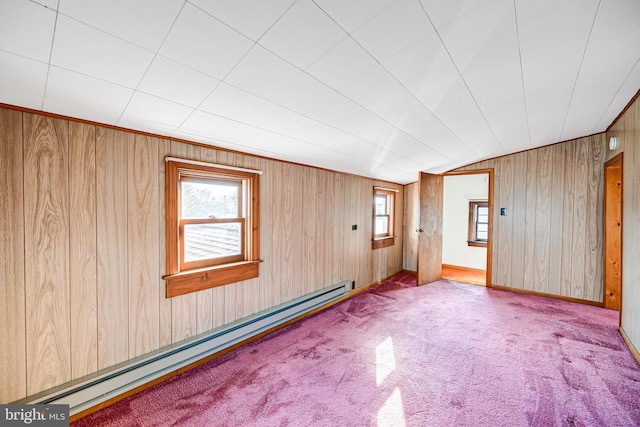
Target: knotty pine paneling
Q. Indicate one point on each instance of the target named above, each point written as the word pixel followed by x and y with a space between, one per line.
pixel 627 130
pixel 46 269
pixel 551 239
pixel 13 369
pixel 96 201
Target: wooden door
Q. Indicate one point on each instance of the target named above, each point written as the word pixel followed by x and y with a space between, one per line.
pixel 613 233
pixel 430 194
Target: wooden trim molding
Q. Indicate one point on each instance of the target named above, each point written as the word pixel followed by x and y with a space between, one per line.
pixel 206 278
pixel 383 242
pixel 545 295
pixel 632 348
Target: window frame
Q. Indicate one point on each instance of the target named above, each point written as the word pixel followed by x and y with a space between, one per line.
pixel 472 237
pixel 383 240
pixel 182 278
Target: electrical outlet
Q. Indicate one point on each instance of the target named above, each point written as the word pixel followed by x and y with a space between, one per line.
pixel 503 211
pixel 354 227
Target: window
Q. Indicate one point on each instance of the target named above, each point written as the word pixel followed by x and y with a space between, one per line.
pixel 383 217
pixel 478 223
pixel 212 225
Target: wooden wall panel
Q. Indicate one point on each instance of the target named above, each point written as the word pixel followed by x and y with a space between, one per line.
pixel 518 218
pixel 543 220
pixel 113 286
pixel 94 222
pixel 553 228
pixel 13 369
pixel 82 247
pixel 594 263
pixel 556 217
pixel 142 244
pixel 503 246
pixel 46 211
pixel 529 222
pixel 111 243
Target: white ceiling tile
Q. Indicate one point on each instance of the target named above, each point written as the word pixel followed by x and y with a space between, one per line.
pixel 204 43
pixel 303 34
pixel 73 94
pixel 412 65
pixel 445 12
pixel 250 17
pixel 611 53
pixel 202 126
pixel 354 13
pixel 280 120
pixel 313 99
pixel 22 81
pixel 231 102
pixel 394 29
pixel 84 49
pixel 26 29
pixel 622 98
pixel 476 37
pixel 175 82
pixel 141 22
pixel 342 64
pixel 153 114
pixel 51 4
pixel 262 73
pixel 552 47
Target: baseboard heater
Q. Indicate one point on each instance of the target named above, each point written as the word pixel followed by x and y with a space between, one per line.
pixel 84 394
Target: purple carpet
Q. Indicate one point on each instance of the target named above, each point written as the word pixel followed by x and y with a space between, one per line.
pixel 442 354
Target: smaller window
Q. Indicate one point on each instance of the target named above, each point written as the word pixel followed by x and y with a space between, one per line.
pixel 478 223
pixel 383 217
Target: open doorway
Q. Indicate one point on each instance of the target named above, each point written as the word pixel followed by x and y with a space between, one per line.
pixel 466 227
pixel 612 298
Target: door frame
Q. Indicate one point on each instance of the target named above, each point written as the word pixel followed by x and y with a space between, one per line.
pixel 489 171
pixel 617 162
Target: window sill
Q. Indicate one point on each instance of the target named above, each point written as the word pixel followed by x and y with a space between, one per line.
pixel 383 242
pixel 477 244
pixel 210 277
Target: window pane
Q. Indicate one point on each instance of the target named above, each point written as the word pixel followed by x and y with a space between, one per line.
pixel 483 210
pixel 483 218
pixel 482 235
pixel 208 241
pixel 483 228
pixel 381 205
pixel 382 225
pixel 210 200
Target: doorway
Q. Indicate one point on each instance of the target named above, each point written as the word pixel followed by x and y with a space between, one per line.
pixel 612 298
pixel 465 234
pixel 430 225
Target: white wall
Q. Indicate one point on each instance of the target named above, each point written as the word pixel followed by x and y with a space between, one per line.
pixel 458 191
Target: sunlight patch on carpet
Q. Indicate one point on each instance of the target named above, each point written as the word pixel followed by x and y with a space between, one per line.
pixel 385 360
pixel 392 412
